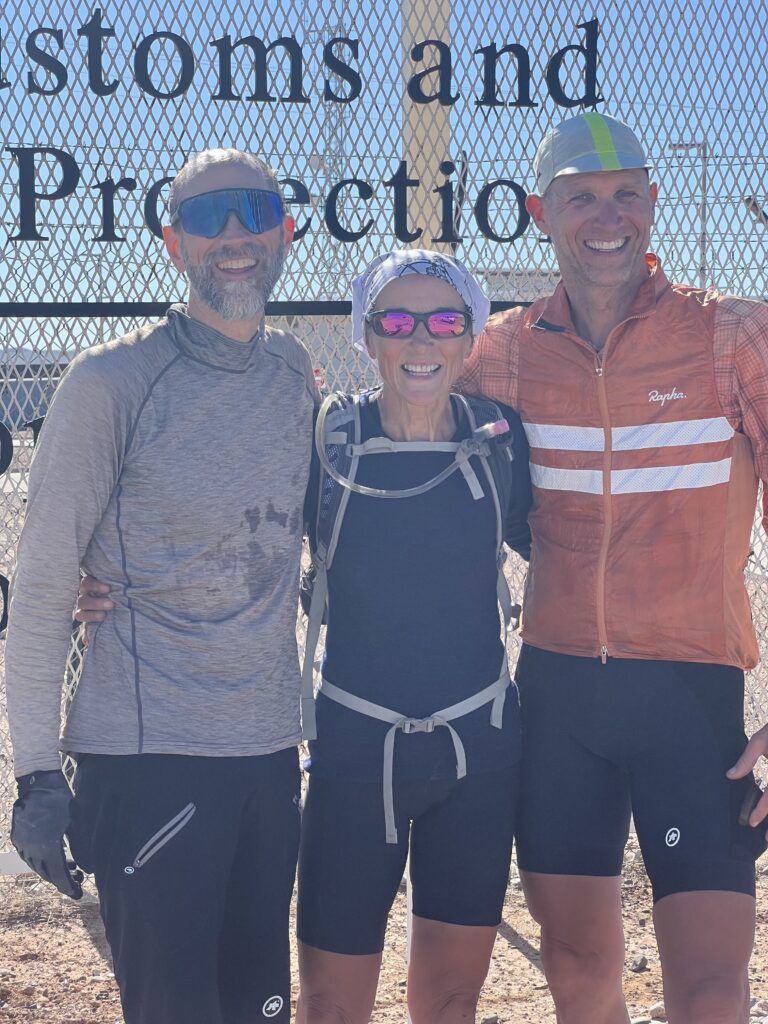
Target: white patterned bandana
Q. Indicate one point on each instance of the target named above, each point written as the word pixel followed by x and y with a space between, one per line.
pixel 367 287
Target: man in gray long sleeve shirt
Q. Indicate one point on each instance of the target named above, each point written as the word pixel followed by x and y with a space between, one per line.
pixel 185 496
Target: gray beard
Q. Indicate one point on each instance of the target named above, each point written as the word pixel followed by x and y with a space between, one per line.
pixel 236 300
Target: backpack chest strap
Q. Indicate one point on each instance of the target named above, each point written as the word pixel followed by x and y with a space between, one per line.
pixel 384 445
pixel 493 694
pixel 462 452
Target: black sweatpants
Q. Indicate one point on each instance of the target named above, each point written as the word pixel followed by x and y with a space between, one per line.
pixel 194 860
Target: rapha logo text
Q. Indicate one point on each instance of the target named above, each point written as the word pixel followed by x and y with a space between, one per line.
pixel 665 396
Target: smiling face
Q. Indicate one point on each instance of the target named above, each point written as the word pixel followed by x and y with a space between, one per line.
pixel 419 370
pixel 232 275
pixel 600 225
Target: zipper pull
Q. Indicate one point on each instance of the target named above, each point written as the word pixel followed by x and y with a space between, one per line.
pixel 603 654
pixel 599 371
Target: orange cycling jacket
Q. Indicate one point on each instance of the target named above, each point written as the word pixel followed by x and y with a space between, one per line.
pixel 645 461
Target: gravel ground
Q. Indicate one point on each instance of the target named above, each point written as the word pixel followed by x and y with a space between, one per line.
pixel 55 966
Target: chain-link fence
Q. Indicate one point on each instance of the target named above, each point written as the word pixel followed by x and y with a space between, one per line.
pixel 390 124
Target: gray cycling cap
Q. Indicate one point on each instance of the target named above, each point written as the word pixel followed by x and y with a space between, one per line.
pixel 587 142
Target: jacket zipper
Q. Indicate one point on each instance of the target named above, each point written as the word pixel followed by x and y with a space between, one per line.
pixel 602 629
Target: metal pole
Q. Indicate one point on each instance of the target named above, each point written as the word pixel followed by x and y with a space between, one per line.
pixel 426 126
pixel 701 149
pixel 703 153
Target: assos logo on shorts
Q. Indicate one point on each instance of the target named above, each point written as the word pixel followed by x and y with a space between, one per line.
pixel 672 837
pixel 272 1006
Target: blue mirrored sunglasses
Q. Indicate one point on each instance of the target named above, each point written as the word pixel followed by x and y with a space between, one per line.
pixel 206 215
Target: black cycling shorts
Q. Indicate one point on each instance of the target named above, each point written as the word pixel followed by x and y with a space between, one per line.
pixel 194 859
pixel 460 848
pixel 651 739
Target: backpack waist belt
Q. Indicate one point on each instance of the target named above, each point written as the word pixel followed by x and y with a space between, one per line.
pixel 495 694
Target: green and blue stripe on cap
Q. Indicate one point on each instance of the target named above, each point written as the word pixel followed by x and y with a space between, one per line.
pixel 586 143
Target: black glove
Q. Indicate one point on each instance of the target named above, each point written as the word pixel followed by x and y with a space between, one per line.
pixel 40 819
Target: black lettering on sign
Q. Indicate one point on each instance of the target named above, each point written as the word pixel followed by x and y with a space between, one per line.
pixel 55 68
pixel 298 196
pixel 443 71
pixel 341 70
pixel 28 192
pixel 4 597
pixel 108 189
pixel 96 32
pixel 490 97
pixel 141 64
pixel 260 52
pixel 343 234
pixel 400 183
pixel 151 204
pixel 591 95
pixel 482 215
pixel 6 448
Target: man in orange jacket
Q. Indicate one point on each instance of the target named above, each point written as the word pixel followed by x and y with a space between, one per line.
pixel 646 409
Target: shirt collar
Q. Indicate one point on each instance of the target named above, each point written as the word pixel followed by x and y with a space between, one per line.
pixel 207 345
pixel 554 312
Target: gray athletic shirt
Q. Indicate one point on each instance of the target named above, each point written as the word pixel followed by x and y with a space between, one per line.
pixel 172 465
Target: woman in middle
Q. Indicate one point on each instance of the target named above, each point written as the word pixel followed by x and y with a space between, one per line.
pixel 418 737
pixel 414 492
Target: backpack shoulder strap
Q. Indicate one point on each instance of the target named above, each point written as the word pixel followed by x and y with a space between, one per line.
pixel 483 413
pixel 496 459
pixel 337 428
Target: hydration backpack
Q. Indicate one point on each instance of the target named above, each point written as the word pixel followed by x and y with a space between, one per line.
pixel 339 447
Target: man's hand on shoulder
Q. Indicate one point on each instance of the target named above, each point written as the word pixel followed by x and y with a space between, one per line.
pixel 756 748
pixel 40 819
